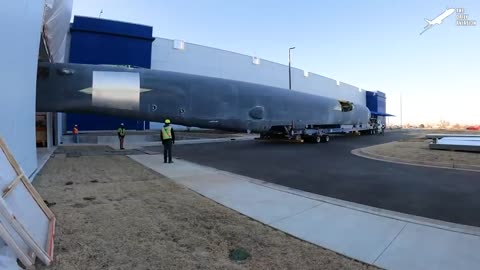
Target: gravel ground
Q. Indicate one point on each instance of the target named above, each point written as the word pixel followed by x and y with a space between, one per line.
pixel 113 213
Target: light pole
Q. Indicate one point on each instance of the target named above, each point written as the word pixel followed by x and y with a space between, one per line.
pixel 290 69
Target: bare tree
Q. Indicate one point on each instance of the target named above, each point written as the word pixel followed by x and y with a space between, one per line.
pixel 444 123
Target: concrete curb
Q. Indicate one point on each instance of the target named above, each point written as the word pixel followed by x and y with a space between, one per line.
pixel 463 167
pixel 434 223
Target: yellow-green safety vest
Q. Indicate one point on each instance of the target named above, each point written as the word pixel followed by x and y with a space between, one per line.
pixel 121 131
pixel 167 133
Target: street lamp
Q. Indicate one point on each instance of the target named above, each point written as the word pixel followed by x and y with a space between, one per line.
pixel 290 69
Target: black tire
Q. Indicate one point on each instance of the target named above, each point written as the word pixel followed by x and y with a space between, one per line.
pixel 325 138
pixel 317 139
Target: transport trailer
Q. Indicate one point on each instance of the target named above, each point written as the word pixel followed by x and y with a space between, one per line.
pixel 313 134
pixel 292 134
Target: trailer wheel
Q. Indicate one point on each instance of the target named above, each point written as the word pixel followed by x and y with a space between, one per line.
pixel 318 139
pixel 325 138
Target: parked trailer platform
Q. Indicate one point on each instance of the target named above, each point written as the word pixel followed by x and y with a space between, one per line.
pixel 439 136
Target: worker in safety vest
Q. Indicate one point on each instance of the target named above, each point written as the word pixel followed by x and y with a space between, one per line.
pixel 168 139
pixel 75 134
pixel 121 135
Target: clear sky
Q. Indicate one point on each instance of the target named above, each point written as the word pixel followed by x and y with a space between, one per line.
pixel 372 44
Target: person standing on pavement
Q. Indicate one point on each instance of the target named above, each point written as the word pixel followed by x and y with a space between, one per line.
pixel 75 134
pixel 121 135
pixel 168 139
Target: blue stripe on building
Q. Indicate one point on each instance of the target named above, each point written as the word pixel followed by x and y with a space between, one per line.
pixel 99 41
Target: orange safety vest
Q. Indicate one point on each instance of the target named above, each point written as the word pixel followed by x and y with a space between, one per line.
pixel 75 130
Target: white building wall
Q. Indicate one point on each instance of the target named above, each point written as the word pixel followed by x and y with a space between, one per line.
pixel 201 60
pixel 21 22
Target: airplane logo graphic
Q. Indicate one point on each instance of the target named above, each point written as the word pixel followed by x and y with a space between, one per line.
pixel 438 20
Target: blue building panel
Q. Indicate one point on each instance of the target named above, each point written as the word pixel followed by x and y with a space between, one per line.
pixel 109 27
pixel 101 122
pixel 376 102
pixel 372 102
pixel 99 41
pixel 117 50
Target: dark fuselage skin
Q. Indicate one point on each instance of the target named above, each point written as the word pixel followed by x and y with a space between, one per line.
pixel 193 100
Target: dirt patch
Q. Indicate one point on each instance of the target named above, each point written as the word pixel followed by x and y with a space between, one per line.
pixel 141 220
pixel 417 151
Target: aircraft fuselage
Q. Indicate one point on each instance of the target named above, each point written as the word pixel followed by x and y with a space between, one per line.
pixel 186 99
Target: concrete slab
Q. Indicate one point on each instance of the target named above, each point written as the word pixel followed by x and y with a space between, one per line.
pixel 261 203
pixel 178 169
pixel 356 234
pixel 424 247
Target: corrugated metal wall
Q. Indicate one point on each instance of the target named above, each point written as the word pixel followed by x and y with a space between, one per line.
pixel 98 41
pixel 201 60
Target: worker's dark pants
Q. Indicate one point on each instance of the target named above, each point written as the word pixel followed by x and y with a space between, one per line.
pixel 121 138
pixel 167 150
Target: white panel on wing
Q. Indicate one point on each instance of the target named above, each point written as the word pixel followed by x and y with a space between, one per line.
pixel 117 90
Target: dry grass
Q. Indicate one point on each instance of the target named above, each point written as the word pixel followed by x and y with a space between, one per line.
pixel 416 150
pixel 118 214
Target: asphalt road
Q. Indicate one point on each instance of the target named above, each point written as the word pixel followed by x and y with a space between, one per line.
pixel 331 170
